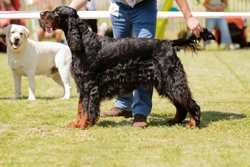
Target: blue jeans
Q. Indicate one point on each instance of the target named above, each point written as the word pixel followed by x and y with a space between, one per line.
pixel 221 23
pixel 140 22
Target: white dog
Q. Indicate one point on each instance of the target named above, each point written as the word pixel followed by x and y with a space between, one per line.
pixel 30 58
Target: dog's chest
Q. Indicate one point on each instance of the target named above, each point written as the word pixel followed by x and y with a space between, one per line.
pixel 17 65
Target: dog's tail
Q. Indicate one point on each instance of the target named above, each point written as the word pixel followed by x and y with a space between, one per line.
pixel 192 42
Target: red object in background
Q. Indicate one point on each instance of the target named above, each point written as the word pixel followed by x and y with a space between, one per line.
pixel 16 4
pixel 14 7
pixel 237 31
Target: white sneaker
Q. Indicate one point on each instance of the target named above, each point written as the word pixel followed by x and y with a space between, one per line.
pixel 230 47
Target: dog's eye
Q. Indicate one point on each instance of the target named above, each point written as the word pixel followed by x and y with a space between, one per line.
pixel 21 33
pixel 12 32
pixel 56 13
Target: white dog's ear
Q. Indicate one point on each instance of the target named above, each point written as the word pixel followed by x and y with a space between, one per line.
pixel 27 32
pixel 6 30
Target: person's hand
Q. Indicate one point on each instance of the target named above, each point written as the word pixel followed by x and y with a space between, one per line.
pixel 221 8
pixel 194 25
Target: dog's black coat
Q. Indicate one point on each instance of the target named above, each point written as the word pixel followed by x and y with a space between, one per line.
pixel 104 67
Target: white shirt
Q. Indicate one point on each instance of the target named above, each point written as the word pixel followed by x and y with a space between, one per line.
pixel 131 3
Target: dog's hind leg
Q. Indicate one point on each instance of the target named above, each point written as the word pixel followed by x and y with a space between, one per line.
pixel 180 94
pixel 175 87
pixel 180 114
pixel 181 97
pixel 31 80
pixel 194 113
pixel 65 78
pixel 184 103
pixel 64 83
pixel 184 107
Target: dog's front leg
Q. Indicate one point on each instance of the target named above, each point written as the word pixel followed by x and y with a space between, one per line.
pixel 82 119
pixel 31 80
pixel 75 123
pixel 17 83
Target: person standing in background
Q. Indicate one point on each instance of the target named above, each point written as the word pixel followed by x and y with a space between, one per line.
pixel 220 23
pixel 91 23
pixel 138 18
pixel 8 5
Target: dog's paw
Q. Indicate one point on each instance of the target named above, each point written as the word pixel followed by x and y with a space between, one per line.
pixel 31 98
pixel 16 97
pixel 191 124
pixel 171 122
pixel 73 124
pixel 65 97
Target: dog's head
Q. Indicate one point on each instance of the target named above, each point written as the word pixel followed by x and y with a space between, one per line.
pixel 16 36
pixel 58 18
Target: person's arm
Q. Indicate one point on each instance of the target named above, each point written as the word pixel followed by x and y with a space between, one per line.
pixel 77 4
pixel 192 23
pixel 225 3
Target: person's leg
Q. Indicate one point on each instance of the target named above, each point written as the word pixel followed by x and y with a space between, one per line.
pixel 121 25
pixel 210 25
pixel 58 35
pixel 121 29
pixel 144 24
pixel 224 30
pixel 143 18
pixel 40 34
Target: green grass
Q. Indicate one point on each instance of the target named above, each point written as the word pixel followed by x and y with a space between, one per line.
pixel 34 133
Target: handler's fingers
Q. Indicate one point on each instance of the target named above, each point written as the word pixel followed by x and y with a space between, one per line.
pixel 197 30
pixel 194 26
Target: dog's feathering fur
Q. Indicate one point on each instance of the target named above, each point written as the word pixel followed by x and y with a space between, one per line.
pixel 104 67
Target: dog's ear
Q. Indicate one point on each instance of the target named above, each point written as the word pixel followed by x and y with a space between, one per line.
pixel 27 32
pixel 6 30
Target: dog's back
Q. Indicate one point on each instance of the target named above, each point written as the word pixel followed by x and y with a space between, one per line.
pixel 45 47
pixel 49 55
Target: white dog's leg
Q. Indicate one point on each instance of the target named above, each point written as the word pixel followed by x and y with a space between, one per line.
pixel 31 80
pixel 65 83
pixel 65 77
pixel 17 83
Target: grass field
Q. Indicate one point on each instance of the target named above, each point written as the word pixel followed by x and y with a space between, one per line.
pixel 34 133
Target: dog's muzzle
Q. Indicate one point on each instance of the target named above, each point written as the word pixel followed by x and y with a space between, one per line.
pixel 15 44
pixel 45 23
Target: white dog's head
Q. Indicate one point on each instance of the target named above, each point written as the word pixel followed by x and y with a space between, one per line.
pixel 16 36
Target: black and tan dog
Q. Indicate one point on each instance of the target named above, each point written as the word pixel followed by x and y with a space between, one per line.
pixel 104 67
